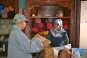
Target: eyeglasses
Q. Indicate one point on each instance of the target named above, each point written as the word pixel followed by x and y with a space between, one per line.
pixel 56 24
pixel 27 22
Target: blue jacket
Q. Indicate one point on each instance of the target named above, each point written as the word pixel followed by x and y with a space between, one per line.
pixel 58 41
pixel 20 46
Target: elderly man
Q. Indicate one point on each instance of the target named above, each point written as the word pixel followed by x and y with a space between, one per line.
pixel 19 45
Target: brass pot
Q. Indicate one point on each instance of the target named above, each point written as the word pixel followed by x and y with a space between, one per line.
pixel 48 10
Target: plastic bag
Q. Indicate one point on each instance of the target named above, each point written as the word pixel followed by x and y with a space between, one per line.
pixel 75 54
pixel 81 51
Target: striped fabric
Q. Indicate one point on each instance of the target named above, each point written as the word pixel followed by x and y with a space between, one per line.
pixel 24 12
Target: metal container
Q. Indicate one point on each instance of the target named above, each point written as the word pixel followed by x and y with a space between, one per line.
pixel 48 10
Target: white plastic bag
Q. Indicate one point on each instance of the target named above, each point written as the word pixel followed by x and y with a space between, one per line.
pixel 75 54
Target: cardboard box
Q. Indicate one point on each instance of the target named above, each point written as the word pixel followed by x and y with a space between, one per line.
pixel 44 40
pixel 48 52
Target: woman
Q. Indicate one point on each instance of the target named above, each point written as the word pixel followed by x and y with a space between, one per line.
pixel 57 35
pixel 59 39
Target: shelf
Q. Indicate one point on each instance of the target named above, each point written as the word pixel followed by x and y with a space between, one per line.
pixel 6 18
pixel 3 53
pixel 68 13
pixel 49 17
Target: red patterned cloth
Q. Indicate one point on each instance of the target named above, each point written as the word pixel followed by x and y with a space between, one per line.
pixel 34 29
pixel 4 15
pixel 41 25
pixel 38 20
pixel 65 27
pixel 49 25
pixel 6 10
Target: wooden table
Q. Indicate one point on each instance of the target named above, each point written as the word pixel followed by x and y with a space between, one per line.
pixel 3 53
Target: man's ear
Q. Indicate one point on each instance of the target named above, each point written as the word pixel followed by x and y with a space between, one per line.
pixel 21 22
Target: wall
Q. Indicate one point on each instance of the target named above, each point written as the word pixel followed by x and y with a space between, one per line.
pixel 5 26
pixel 83 25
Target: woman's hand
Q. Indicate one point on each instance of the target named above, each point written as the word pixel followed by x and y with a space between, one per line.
pixel 67 50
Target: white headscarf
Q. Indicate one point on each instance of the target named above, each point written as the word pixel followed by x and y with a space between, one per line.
pixel 59 21
pixel 55 32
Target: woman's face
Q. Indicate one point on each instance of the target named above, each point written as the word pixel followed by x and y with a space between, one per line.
pixel 56 26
